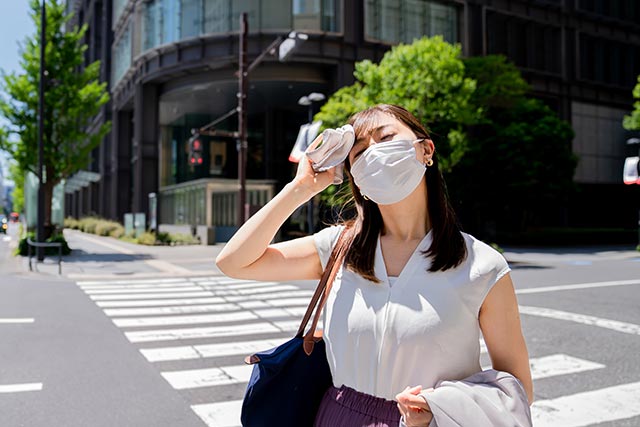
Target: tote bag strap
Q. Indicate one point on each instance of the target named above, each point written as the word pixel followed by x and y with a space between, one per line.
pixel 322 291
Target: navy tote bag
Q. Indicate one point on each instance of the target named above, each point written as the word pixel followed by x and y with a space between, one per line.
pixel 289 381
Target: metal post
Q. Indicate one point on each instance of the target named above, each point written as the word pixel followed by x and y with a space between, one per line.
pixel 242 118
pixel 40 224
pixel 310 202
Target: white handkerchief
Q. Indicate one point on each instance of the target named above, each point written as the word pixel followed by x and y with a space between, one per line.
pixel 333 150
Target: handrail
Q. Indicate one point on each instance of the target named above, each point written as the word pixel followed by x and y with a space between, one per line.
pixel 31 243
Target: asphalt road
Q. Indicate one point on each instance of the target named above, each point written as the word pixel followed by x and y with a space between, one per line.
pixel 168 351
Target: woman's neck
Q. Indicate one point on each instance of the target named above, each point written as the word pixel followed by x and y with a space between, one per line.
pixel 408 219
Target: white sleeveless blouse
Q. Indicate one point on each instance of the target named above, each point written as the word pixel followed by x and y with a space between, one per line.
pixel 423 329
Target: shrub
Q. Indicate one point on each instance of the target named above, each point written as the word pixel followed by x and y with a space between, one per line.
pixel 117 231
pixel 23 249
pixel 105 227
pixel 183 239
pixel 147 238
pixel 88 224
pixel 71 223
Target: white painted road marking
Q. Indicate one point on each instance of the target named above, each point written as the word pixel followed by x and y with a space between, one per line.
pixel 220 414
pixel 160 302
pixel 208 377
pixel 184 320
pixel 588 408
pixel 180 309
pixel 154 295
pixel 627 328
pixel 213 331
pixel 153 289
pixel 577 286
pixel 243 348
pixel 17 320
pixel 558 364
pixel 16 388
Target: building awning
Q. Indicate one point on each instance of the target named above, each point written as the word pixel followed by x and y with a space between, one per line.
pixel 79 180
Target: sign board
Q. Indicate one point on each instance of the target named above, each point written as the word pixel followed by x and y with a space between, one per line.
pixel 630 172
pixel 308 132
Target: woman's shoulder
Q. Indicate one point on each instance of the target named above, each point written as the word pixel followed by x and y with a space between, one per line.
pixel 325 240
pixel 482 255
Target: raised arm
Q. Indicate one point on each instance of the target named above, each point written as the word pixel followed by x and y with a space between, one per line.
pixel 248 255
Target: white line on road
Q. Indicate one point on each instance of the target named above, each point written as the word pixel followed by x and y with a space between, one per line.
pixel 6 239
pixel 188 352
pixel 191 288
pixel 154 295
pixel 220 414
pixel 558 364
pixel 212 331
pixel 139 286
pixel 160 302
pixel 577 286
pixel 588 408
pixel 15 388
pixel 184 320
pixel 84 283
pixel 208 377
pixel 17 320
pixel 180 309
pixel 627 328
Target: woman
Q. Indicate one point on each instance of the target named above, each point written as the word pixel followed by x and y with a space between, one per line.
pixel 414 293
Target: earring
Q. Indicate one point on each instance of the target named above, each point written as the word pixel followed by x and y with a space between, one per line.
pixel 364 196
pixel 429 162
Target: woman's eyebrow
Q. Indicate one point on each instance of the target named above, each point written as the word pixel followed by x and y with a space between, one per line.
pixel 378 129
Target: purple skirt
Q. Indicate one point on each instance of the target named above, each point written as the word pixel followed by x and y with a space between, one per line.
pixel 346 407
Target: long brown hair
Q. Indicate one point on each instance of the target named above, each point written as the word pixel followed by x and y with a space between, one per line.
pixel 447 249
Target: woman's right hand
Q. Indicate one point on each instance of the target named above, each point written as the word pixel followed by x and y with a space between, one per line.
pixel 308 180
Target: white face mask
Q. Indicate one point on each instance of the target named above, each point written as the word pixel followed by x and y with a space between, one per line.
pixel 388 172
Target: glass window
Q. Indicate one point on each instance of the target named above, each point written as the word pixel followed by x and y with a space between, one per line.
pixel 217 16
pixel 275 15
pixel 399 21
pixel 151 26
pixel 191 18
pixel 118 7
pixel 121 56
pixel 170 21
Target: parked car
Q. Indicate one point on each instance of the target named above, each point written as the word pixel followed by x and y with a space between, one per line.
pixel 3 224
pixel 14 216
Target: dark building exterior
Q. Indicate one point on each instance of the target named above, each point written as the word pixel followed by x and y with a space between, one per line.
pixel 171 67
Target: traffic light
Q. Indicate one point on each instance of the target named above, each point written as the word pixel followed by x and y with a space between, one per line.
pixel 195 151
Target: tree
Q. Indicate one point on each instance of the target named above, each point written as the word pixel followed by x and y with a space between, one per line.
pixel 73 96
pixel 426 77
pixel 632 122
pixel 519 164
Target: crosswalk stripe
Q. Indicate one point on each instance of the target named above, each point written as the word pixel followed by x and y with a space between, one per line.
pixel 627 328
pixel 588 408
pixel 252 291
pixel 212 331
pixel 180 309
pixel 187 352
pixel 185 320
pixel 159 302
pixel 220 414
pixel 16 388
pixel 536 290
pixel 240 285
pixel 130 281
pixel 154 295
pixel 274 295
pixel 153 289
pixel 208 377
pixel 558 364
pixel 138 286
pixel 17 320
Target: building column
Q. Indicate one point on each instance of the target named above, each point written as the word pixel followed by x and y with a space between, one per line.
pixel 145 146
pixel 120 190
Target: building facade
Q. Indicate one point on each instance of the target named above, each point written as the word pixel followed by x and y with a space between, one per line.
pixel 171 67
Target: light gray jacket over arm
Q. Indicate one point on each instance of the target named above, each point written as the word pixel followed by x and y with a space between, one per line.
pixel 486 399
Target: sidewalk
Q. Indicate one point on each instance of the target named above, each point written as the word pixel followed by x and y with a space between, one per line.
pixel 96 257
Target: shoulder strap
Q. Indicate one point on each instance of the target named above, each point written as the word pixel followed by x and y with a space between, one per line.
pixel 322 291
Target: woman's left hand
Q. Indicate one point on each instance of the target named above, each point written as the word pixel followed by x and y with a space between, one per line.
pixel 414 408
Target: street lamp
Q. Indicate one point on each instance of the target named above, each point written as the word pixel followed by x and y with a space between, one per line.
pixel 307 101
pixel 636 141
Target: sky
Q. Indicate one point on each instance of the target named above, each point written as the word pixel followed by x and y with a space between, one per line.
pixel 15 26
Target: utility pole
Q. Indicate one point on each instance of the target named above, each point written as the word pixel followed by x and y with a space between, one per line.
pixel 242 119
pixel 41 178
